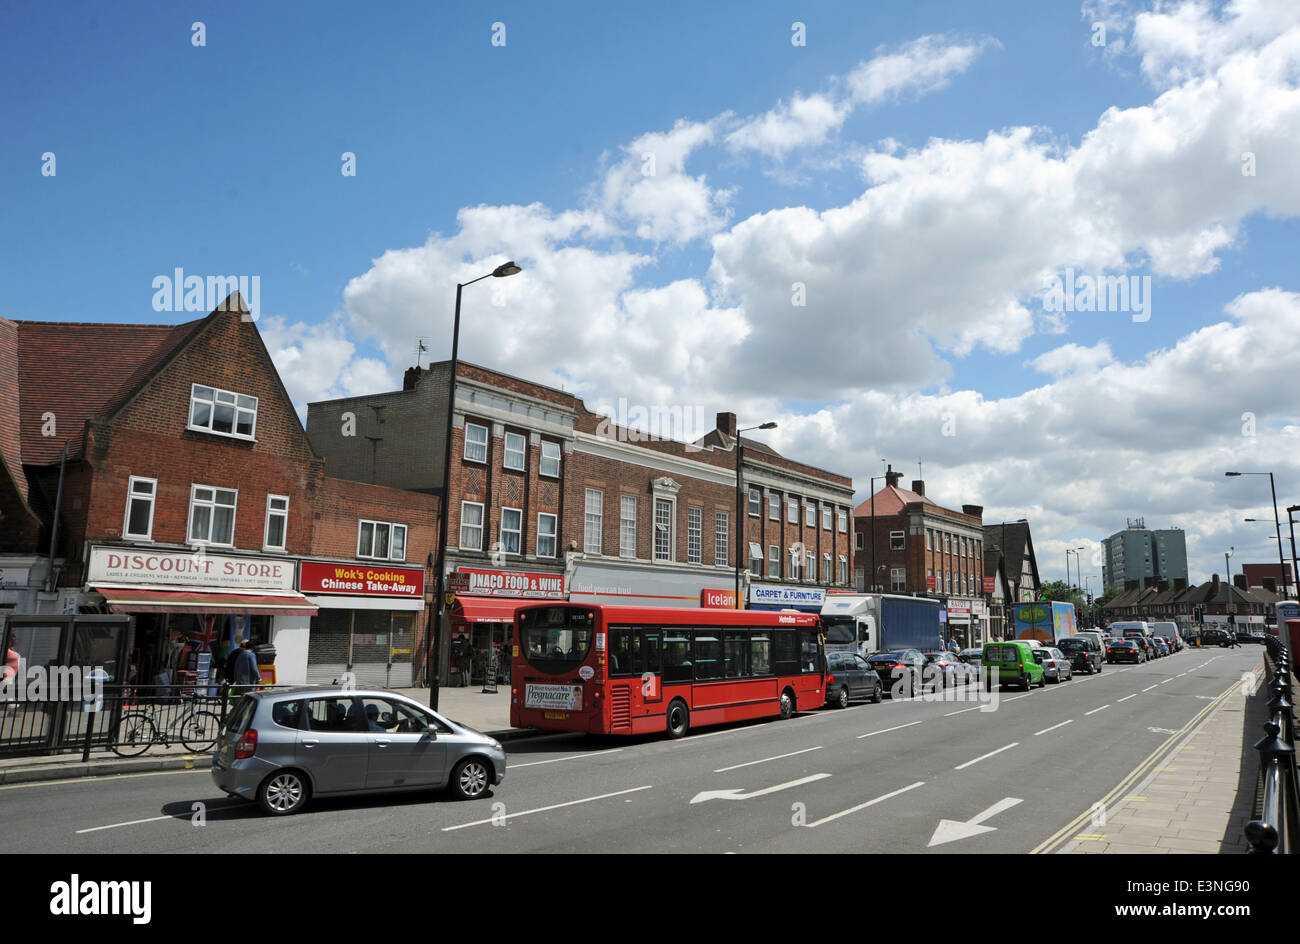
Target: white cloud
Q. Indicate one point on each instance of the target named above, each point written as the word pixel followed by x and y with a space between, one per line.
pixel 1071 358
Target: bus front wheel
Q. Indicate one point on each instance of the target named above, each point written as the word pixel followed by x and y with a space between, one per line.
pixel 787 705
pixel 678 719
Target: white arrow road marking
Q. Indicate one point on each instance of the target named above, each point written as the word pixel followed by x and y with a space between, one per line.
pixel 951 830
pixel 863 806
pixel 1162 731
pixel 738 794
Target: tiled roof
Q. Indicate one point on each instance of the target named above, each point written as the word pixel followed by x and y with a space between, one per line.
pixel 79 370
pixel 889 501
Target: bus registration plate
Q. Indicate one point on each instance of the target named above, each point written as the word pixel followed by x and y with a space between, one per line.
pixel 564 697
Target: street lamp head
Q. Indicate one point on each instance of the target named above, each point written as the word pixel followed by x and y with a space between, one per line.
pixel 508 268
pixel 768 426
pixel 1231 474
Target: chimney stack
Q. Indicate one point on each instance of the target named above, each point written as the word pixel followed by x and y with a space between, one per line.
pixel 1214 585
pixel 892 477
pixel 1148 582
pixel 1162 585
pixel 1270 584
pixel 1130 584
pixel 727 424
pixel 975 511
pixel 918 486
pixel 1180 583
pixel 1239 581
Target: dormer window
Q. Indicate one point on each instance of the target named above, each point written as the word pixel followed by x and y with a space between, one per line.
pixel 223 412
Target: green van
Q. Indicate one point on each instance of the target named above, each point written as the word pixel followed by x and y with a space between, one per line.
pixel 1014 662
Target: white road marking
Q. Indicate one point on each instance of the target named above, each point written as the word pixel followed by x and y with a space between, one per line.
pixel 986 756
pixel 1148 688
pixel 1127 697
pixel 1166 680
pixel 556 760
pixel 963 711
pixel 134 822
pixel 543 809
pixel 887 730
pixel 1095 710
pixel 863 806
pixel 951 830
pixel 722 770
pixel 1053 727
pixel 737 793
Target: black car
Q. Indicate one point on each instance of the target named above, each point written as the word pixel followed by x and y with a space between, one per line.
pixel 1083 652
pixel 850 676
pixel 902 667
pixel 1214 637
pixel 1126 650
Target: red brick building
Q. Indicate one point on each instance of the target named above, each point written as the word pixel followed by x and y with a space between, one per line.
pixel 550 499
pixel 923 547
pixel 190 490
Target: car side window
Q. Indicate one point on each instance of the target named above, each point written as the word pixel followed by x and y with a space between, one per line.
pixel 287 714
pixel 339 713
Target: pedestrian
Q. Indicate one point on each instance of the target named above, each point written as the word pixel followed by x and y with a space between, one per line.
pixel 244 672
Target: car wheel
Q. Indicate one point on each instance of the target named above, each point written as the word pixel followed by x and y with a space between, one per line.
pixel 1042 680
pixel 877 696
pixel 679 718
pixel 470 778
pixel 283 793
pixel 1025 682
pixel 842 700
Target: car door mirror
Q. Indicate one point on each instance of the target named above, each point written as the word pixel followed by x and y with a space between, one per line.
pixel 431 732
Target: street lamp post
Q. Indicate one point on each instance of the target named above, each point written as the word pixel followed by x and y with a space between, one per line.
pixel 1277 524
pixel 1227 567
pixel 1291 509
pixel 434 643
pixel 740 531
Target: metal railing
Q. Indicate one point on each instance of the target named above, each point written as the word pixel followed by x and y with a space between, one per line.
pixel 51 723
pixel 1279 821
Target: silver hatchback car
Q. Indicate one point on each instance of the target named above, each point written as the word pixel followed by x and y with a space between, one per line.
pixel 283 747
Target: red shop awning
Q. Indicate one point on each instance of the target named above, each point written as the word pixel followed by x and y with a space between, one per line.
pixel 151 600
pixel 486 609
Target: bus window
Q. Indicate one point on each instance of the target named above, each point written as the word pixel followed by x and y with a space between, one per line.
pixel 708 657
pixel 621 661
pixel 785 652
pixel 736 650
pixel 677 657
pixel 647 654
pixel 760 647
pixel 810 656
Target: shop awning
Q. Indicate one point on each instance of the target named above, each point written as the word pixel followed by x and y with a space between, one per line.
pixel 487 609
pixel 203 600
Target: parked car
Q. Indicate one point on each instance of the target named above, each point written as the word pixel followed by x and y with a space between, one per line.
pixel 1084 652
pixel 972 659
pixel 1148 647
pixel 944 668
pixel 849 676
pixel 1251 637
pixel 1056 667
pixel 902 665
pixel 1126 650
pixel 1014 663
pixel 1161 646
pixel 284 747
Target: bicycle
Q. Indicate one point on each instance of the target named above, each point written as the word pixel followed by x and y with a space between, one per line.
pixel 137 730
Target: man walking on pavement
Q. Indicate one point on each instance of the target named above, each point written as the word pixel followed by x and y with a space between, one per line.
pixel 245 673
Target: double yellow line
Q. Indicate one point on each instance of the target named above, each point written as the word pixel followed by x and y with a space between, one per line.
pixel 1060 836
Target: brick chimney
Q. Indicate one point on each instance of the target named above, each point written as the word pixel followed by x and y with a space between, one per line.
pixel 1162 585
pixel 1214 585
pixel 918 486
pixel 1270 584
pixel 1148 582
pixel 975 511
pixel 1180 583
pixel 727 424
pixel 411 379
pixel 1239 581
pixel 892 477
pixel 1131 584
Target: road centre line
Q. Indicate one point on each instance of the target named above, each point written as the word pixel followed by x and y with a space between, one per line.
pixel 1054 727
pixel 963 711
pixel 887 730
pixel 722 770
pixel 986 756
pixel 863 806
pixel 543 809
pixel 1127 697
pixel 134 822
pixel 1095 710
pixel 556 760
pixel 1148 688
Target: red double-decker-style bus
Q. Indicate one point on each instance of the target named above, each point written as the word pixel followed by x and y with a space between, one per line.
pixel 638 670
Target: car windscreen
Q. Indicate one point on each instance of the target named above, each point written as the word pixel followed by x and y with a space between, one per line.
pixel 556 639
pixel 888 656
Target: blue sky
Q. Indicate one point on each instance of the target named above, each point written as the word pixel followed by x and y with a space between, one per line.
pixel 919 221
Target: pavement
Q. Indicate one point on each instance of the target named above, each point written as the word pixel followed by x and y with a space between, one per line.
pixel 488 713
pixel 1193 795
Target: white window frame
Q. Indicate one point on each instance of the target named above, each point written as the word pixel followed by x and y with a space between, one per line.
pixel 843 519
pixel 755 502
pixel 694 534
pixel 593 522
pixel 553 537
pixel 826 569
pixel 212 414
pixel 521 452
pixel 473 442
pixel 657 528
pixel 282 512
pixel 211 504
pixel 502 531
pixel 897 579
pixel 393 528
pixel 547 446
pixel 773 561
pixel 929 539
pixel 844 569
pixel 153 504
pixel 721 538
pixel 901 536
pixel 826 519
pixel 796 564
pixel 473 527
pixel 810 565
pixel 810 516
pixel 773 507
pixel 792 511
pixel 627 526
pixel 859 541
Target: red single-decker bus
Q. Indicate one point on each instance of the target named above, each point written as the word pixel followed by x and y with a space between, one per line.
pixel 638 670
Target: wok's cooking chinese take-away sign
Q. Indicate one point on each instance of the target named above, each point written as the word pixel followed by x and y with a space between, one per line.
pixel 363 580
